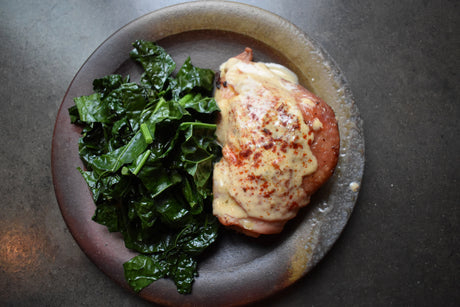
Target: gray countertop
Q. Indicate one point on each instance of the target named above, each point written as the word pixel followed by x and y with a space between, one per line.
pixel 401 244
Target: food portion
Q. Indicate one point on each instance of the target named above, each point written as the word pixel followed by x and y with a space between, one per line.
pixel 280 145
pixel 148 148
pixel 161 170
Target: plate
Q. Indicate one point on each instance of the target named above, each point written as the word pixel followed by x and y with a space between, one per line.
pixel 237 269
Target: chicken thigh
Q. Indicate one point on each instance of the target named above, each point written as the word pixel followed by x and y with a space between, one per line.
pixel 280 144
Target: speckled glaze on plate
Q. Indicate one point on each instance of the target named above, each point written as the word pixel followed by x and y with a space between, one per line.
pixel 237 269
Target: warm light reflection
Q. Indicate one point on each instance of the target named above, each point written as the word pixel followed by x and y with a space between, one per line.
pixel 19 249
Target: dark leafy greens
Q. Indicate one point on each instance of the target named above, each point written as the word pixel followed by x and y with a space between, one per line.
pixel 149 149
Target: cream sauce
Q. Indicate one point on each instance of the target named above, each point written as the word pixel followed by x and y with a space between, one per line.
pixel 266 152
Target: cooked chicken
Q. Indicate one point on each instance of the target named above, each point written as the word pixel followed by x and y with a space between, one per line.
pixel 280 144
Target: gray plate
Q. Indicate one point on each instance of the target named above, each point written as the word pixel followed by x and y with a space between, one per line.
pixel 237 269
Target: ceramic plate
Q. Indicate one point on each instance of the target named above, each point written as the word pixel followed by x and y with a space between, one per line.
pixel 237 269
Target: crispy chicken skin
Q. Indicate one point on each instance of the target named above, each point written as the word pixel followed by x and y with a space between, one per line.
pixel 280 145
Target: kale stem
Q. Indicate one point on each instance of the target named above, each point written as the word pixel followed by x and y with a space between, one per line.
pixel 185 99
pixel 146 133
pixel 145 156
pixel 124 171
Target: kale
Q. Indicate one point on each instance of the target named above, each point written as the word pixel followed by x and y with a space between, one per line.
pixel 148 150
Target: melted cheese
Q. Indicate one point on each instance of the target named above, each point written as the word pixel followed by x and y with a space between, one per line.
pixel 317 124
pixel 266 151
pixel 283 72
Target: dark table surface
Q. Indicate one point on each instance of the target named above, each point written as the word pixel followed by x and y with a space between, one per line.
pixel 401 58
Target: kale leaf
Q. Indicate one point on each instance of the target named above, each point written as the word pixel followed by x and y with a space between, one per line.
pixel 148 150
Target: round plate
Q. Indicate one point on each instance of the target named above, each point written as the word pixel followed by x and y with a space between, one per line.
pixel 236 269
